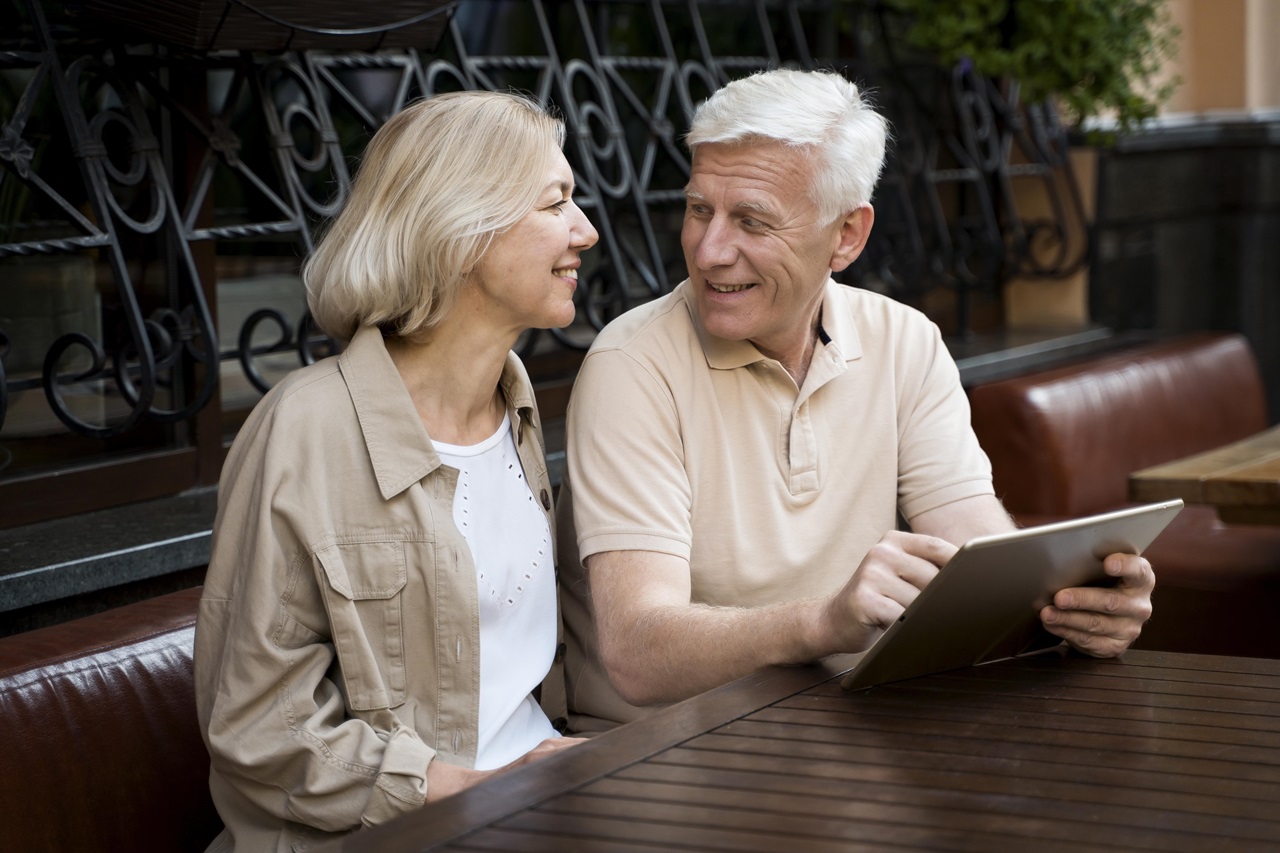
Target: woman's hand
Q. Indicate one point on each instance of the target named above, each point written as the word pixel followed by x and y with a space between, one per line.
pixel 542 750
pixel 444 780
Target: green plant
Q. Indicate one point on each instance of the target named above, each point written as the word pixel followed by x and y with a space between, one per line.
pixel 1092 57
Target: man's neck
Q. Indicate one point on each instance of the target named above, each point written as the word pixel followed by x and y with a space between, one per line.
pixel 796 360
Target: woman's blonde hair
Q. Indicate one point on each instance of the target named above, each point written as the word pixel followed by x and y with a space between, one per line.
pixel 436 184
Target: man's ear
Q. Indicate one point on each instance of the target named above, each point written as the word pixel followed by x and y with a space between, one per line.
pixel 855 228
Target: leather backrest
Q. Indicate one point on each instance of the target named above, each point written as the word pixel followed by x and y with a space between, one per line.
pixel 100 748
pixel 1063 442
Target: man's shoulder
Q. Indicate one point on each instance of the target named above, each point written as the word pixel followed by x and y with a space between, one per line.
pixel 863 303
pixel 661 320
pixel 877 325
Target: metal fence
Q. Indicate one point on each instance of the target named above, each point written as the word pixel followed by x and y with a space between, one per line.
pixel 146 162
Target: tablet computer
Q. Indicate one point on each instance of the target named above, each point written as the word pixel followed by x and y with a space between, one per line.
pixel 985 603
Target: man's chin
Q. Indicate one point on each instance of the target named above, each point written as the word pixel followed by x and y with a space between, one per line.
pixel 717 327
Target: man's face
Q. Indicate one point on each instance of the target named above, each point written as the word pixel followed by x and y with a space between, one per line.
pixel 757 253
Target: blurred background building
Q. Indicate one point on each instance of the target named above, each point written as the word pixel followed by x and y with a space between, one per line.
pixel 165 166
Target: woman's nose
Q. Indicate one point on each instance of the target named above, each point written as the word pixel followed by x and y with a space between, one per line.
pixel 583 232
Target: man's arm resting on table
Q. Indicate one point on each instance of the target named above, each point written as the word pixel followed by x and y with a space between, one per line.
pixel 659 647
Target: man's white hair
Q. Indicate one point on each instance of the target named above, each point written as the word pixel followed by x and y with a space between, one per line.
pixel 816 110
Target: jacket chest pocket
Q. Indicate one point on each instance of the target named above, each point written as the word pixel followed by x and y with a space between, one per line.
pixel 362 588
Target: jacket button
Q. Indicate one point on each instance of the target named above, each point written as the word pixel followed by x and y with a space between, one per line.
pixel 560 724
pixel 546 500
pixel 560 651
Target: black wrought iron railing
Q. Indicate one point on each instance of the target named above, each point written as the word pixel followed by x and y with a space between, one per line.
pixel 161 178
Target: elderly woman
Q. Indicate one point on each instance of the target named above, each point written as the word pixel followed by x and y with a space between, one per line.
pixel 380 607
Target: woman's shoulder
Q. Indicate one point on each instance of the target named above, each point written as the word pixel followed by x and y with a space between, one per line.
pixel 307 401
pixel 304 389
pixel 649 325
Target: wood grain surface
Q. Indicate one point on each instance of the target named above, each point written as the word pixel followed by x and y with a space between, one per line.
pixel 1054 751
pixel 1242 480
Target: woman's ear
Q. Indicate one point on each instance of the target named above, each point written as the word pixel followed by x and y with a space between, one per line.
pixel 855 228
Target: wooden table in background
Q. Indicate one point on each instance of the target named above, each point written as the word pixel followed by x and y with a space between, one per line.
pixel 1054 751
pixel 1241 480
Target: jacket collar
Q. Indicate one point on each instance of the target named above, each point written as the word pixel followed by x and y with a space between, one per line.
pixel 399 447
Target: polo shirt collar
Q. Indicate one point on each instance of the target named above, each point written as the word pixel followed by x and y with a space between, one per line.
pixel 399 447
pixel 837 322
pixel 723 354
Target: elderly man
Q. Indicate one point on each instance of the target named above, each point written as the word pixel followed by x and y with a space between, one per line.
pixel 740 448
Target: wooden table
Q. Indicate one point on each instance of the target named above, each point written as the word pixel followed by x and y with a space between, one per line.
pixel 1053 751
pixel 1242 480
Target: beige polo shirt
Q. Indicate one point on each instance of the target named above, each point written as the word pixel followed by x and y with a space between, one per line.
pixel 705 449
pixel 337 646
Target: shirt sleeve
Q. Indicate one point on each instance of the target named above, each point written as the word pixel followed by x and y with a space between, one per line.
pixel 939 458
pixel 626 459
pixel 276 723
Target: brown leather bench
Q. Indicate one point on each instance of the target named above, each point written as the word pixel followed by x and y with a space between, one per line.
pixel 99 744
pixel 1062 443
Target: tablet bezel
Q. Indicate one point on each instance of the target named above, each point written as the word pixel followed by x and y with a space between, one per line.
pixel 985 603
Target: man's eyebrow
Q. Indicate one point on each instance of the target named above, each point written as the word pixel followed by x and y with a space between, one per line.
pixel 753 206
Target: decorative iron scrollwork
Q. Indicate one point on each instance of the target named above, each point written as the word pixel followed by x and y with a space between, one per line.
pixel 178 150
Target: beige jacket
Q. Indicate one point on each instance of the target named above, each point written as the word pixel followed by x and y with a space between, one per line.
pixel 337 646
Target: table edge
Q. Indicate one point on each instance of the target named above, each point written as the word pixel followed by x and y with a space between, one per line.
pixel 447 820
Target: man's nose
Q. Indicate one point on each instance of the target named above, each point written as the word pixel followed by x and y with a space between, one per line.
pixel 716 246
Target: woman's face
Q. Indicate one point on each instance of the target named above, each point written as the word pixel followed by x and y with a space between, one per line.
pixel 531 270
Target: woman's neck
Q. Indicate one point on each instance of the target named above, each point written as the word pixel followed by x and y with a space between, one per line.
pixel 452 378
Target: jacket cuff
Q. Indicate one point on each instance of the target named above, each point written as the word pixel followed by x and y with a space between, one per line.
pixel 401 783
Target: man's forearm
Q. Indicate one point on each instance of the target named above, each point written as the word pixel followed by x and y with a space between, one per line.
pixel 671 652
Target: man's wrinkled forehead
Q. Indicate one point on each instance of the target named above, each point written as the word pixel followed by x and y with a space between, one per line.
pixel 762 177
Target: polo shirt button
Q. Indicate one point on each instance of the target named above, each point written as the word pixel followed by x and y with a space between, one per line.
pixel 546 500
pixel 560 651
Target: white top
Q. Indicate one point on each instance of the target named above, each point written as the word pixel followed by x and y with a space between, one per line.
pixel 510 542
